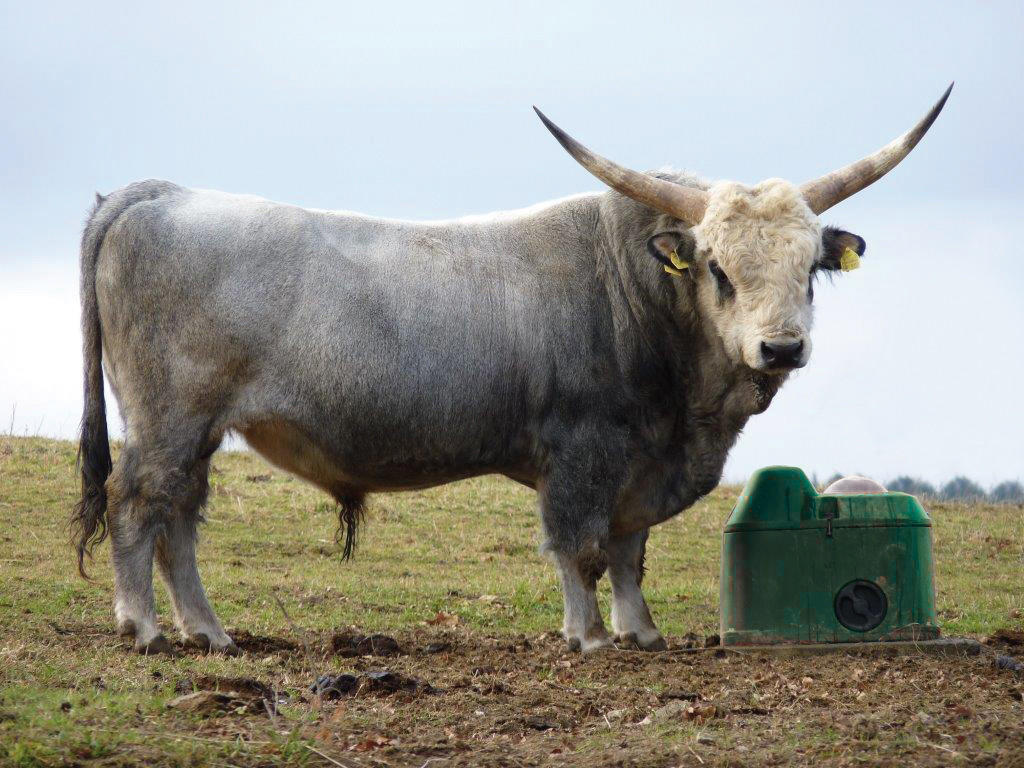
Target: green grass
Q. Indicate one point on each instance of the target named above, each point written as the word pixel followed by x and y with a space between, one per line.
pixel 70 693
pixel 269 534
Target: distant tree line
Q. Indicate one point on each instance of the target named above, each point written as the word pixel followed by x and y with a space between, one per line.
pixel 1008 491
pixel 961 488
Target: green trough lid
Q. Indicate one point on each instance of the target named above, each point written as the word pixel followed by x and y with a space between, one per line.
pixel 782 498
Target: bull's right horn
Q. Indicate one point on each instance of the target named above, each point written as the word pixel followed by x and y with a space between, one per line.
pixel 685 203
pixel 824 192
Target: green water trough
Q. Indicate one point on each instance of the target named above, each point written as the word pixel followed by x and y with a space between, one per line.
pixel 799 567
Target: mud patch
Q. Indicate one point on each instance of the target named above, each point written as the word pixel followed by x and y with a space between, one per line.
pixel 347 644
pixel 373 681
pixel 1006 637
pixel 250 643
pixel 207 695
pixel 209 703
pixel 247 686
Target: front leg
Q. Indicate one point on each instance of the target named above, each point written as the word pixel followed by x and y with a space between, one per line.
pixel 631 619
pixel 582 626
pixel 575 502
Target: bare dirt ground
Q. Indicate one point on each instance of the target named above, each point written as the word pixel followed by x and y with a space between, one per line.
pixel 520 701
pixel 453 697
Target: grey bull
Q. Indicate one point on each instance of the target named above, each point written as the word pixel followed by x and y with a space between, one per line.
pixel 605 349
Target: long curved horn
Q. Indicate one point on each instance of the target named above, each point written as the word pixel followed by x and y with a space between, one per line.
pixel 685 203
pixel 822 193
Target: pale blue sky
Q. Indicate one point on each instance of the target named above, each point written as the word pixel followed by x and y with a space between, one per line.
pixel 422 110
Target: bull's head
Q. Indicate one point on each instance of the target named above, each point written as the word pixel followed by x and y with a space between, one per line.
pixel 753 251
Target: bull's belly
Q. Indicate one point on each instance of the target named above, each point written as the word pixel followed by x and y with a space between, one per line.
pixel 346 414
pixel 340 470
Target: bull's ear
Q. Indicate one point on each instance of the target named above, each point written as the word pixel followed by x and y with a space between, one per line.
pixel 840 250
pixel 674 249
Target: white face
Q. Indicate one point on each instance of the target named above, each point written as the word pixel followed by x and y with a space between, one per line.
pixel 755 250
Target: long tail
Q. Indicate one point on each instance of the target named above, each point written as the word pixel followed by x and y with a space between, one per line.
pixel 89 518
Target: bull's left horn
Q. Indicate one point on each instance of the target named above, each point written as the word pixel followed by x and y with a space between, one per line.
pixel 821 194
pixel 685 203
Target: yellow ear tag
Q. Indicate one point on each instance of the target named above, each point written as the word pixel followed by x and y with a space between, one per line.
pixel 849 261
pixel 678 264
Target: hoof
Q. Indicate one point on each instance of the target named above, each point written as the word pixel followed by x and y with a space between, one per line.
pixel 230 650
pixel 630 641
pixel 158 645
pixel 201 641
pixel 588 644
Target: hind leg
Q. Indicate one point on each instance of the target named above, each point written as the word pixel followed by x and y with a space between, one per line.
pixel 176 561
pixel 136 516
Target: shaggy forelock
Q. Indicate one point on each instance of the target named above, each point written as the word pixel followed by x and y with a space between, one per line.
pixel 768 224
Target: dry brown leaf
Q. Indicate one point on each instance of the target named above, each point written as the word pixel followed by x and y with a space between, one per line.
pixel 371 742
pixel 445 619
pixel 700 712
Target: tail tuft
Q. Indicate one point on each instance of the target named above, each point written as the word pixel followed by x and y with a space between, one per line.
pixel 351 511
pixel 88 519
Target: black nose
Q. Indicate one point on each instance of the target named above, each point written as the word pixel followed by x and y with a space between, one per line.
pixel 786 354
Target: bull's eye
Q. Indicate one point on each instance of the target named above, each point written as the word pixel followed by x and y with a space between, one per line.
pixel 724 286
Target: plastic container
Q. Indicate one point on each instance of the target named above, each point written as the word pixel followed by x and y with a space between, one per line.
pixel 799 567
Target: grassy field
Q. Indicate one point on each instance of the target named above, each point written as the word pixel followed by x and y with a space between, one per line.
pixel 453 575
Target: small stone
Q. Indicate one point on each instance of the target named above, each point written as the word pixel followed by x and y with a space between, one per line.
pixel 334 686
pixel 1010 663
pixel 540 723
pixel 674 709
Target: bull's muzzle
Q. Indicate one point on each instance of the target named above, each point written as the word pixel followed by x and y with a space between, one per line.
pixel 783 355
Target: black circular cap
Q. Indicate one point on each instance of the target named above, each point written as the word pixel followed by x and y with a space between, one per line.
pixel 861 605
